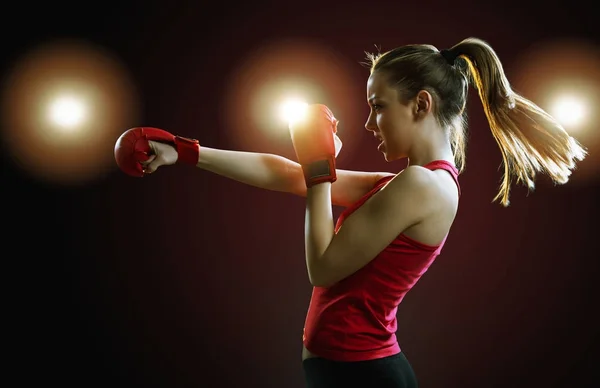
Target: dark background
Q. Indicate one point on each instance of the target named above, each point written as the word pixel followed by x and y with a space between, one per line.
pixel 187 279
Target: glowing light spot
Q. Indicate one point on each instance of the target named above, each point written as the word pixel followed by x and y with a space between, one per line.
pixel 293 110
pixel 67 112
pixel 65 103
pixel 569 111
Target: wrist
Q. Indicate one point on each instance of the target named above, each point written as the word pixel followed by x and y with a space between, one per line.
pixel 321 187
pixel 188 150
pixel 320 171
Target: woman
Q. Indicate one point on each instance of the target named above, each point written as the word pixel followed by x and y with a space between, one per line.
pixel 395 224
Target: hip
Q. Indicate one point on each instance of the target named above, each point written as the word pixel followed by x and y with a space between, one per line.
pixel 306 354
pixel 392 371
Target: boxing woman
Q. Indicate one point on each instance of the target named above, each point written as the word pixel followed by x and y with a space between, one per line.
pixel 394 224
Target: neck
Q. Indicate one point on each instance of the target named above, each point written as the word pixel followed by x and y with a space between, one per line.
pixel 434 144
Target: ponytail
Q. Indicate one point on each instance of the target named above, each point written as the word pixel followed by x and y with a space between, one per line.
pixel 530 140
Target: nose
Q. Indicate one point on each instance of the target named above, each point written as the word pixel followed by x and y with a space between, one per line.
pixel 371 124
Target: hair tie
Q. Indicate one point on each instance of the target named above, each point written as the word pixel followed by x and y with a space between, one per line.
pixel 449 56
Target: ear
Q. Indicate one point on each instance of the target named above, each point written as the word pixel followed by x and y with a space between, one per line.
pixel 423 103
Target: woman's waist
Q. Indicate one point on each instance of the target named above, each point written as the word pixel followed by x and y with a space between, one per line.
pixel 306 354
pixel 351 354
pixel 351 314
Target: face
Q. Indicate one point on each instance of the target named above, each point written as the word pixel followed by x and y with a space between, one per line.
pixel 390 121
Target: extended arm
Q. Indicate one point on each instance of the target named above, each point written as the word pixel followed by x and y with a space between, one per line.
pixel 142 150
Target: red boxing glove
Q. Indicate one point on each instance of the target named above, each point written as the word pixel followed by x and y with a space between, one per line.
pixel 312 137
pixel 133 147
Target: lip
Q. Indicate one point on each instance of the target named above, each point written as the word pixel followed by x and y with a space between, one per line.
pixel 381 145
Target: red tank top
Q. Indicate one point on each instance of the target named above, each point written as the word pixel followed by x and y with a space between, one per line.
pixel 355 319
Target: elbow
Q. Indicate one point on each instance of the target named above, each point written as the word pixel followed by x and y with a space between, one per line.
pixel 322 273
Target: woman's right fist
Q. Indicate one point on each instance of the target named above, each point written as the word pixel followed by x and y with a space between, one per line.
pixel 161 154
pixel 133 151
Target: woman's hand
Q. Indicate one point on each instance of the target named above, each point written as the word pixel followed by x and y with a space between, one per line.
pixel 161 155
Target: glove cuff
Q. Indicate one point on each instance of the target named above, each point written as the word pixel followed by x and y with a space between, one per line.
pixel 188 150
pixel 319 172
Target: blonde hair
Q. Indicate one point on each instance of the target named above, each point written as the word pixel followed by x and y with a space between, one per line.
pixel 530 140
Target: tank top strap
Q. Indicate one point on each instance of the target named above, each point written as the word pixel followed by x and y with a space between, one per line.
pixel 445 165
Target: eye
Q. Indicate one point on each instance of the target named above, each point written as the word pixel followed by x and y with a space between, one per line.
pixel 376 107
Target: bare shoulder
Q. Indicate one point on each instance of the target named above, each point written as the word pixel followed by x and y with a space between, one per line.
pixel 421 190
pixel 414 179
pixel 428 199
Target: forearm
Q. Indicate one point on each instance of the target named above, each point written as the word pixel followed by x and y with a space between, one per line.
pixel 319 228
pixel 266 171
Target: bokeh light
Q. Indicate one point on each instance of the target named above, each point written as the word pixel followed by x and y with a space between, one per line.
pixel 293 110
pixel 563 77
pixel 67 112
pixel 286 71
pixel 63 106
pixel 570 111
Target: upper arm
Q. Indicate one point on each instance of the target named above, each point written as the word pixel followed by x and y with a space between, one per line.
pixel 408 199
pixel 349 187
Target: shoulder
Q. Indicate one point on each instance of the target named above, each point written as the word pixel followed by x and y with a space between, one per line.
pixel 415 190
pixel 413 179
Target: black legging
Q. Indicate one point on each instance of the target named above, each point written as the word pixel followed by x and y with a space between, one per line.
pixel 388 372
